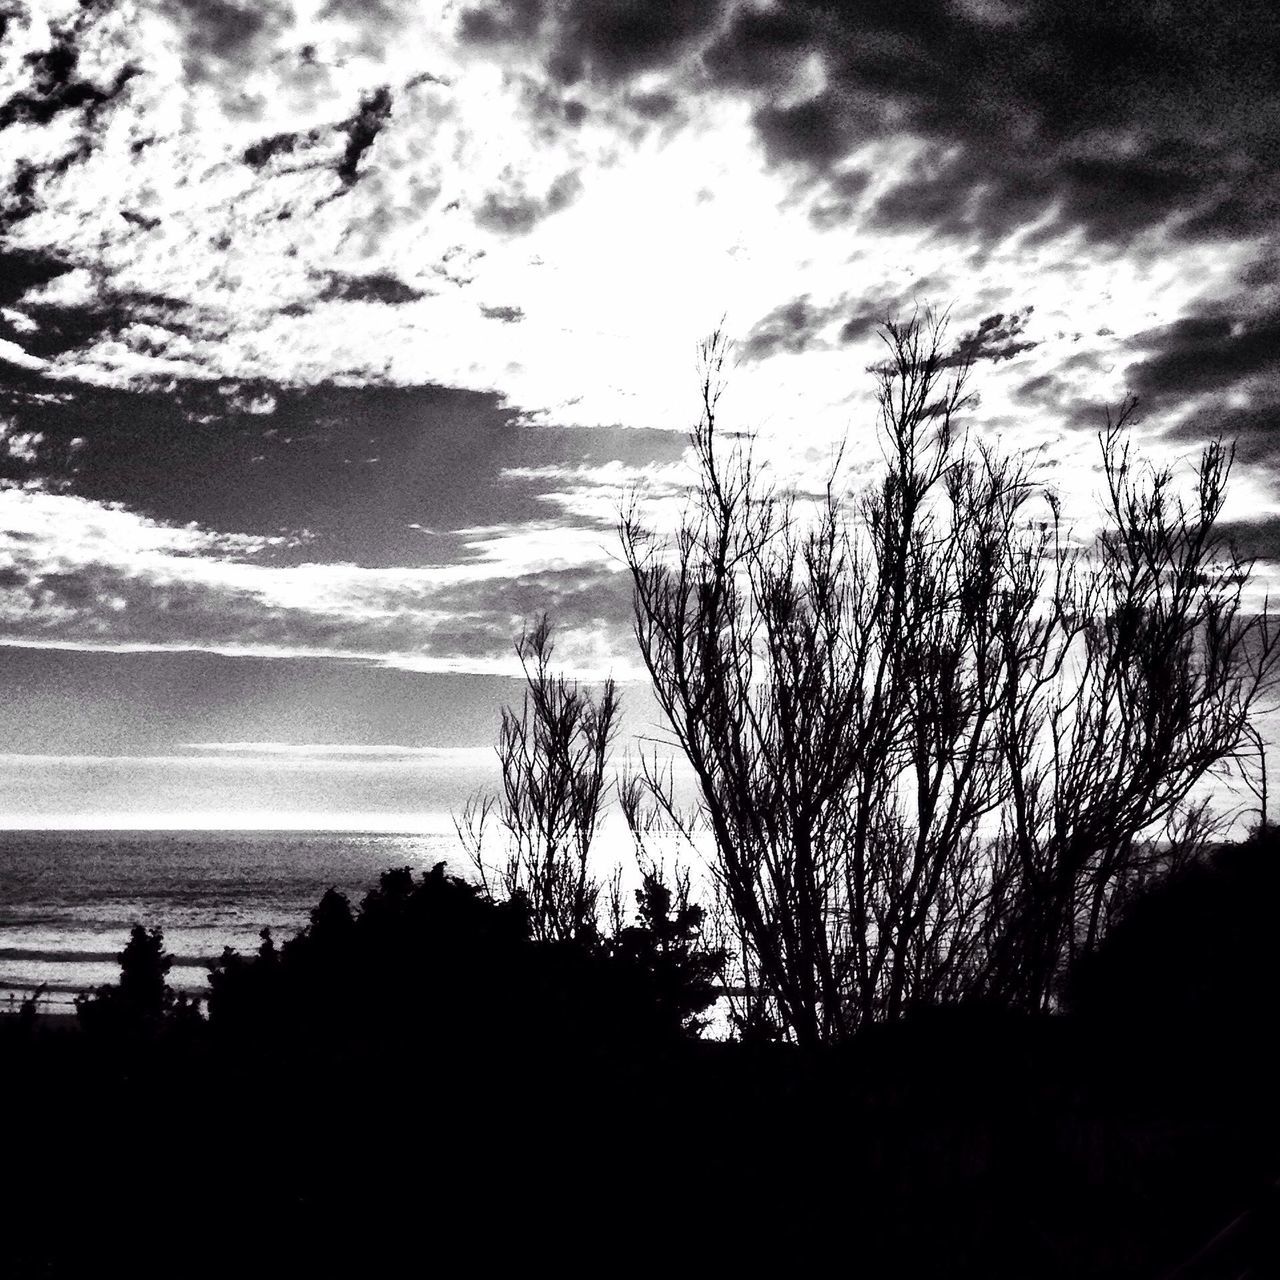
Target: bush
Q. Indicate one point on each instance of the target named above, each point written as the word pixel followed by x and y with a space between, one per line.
pixel 437 963
pixel 142 1004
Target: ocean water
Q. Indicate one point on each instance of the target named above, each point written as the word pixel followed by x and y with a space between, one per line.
pixel 69 898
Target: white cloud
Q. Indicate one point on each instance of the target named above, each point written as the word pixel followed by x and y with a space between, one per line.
pixel 76 573
pixel 11 353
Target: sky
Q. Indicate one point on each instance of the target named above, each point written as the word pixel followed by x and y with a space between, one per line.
pixel 334 333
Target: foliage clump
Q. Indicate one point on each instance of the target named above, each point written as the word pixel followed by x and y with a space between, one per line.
pixel 142 1004
pixel 436 961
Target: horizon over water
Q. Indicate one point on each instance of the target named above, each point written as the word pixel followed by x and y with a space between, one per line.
pixel 69 895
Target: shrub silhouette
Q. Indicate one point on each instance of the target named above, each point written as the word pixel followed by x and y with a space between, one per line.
pixel 1197 950
pixel 436 963
pixel 142 1004
pixel 666 945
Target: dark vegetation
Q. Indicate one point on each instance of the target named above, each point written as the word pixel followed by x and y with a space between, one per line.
pixel 1001 999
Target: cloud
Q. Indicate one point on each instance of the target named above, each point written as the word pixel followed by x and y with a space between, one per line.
pixel 380 287
pixel 53 98
pixel 495 24
pixel 76 308
pixel 258 154
pixel 792 327
pixel 607 40
pixel 1208 352
pixel 1215 369
pixel 1112 120
pixel 11 353
pixel 363 471
pixel 362 131
pixel 1255 539
pixel 504 314
pixel 224 40
pixel 123 581
pixel 512 211
pixel 997 337
pixel 54 87
pixel 838 199
pixel 805 325
pixel 19 446
pixel 417 627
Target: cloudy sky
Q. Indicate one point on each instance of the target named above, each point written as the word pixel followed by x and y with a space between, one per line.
pixel 332 332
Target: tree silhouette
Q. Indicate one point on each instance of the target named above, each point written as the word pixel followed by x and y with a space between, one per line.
pixel 933 737
pixel 142 1003
pixel 666 943
pixel 554 755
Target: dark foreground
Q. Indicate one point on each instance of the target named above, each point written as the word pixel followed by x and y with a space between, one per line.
pixel 1125 1140
pixel 930 1151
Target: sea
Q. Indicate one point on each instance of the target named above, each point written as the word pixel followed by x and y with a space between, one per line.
pixel 69 898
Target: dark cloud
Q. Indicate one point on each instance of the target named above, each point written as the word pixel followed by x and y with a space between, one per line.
pixel 1043 390
pixel 617 39
pixel 658 105
pixel 793 327
pixel 381 17
pixel 74 701
pixel 261 152
pixel 509 212
pixel 1113 116
pixel 56 88
pixel 51 86
pixel 19 199
pixel 563 191
pixel 513 211
pixel 1225 361
pixel 486 615
pixel 835 203
pixel 377 287
pixel 1254 539
pixel 362 131
pixel 998 337
pixel 61 328
pixel 1210 374
pixel 505 23
pixel 22 269
pixel 815 133
pixel 141 220
pixel 801 324
pixel 377 476
pixel 225 38
pixel 604 40
pixel 118 603
pixel 1206 353
pixel 763 48
pixel 508 315
pixel 862 324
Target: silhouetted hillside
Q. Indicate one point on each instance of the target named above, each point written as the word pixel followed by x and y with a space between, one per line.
pixel 1198 951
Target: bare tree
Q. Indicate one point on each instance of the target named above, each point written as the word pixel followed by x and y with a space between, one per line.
pixel 554 755
pixel 1252 763
pixel 1156 667
pixel 930 737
